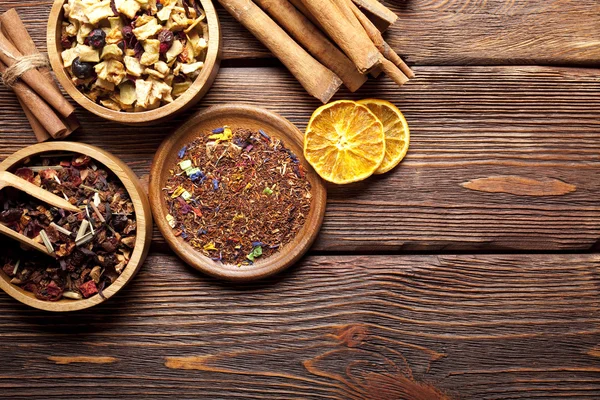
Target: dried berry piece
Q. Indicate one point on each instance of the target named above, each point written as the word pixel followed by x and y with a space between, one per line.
pixel 66 41
pixel 139 50
pixel 119 222
pixel 127 32
pixel 11 215
pixel 110 245
pixel 108 261
pixel 51 292
pixel 82 70
pixel 25 173
pixel 97 38
pixel 165 37
pixel 88 289
pixel 8 269
pixel 75 259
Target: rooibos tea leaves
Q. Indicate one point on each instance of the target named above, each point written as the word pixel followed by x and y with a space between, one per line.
pixel 237 195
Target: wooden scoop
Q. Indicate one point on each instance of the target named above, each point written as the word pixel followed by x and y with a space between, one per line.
pixel 8 179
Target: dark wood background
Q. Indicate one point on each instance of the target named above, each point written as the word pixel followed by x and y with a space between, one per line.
pixel 469 272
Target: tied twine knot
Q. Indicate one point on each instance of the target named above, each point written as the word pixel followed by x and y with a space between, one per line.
pixel 21 66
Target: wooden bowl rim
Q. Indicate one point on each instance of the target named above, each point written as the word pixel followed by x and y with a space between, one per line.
pixel 279 261
pixel 144 225
pixel 188 99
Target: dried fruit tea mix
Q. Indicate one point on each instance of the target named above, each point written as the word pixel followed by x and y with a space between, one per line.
pixel 237 195
pixel 134 55
pixel 91 248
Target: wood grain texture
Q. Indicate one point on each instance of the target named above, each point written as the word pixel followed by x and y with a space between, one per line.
pixel 482 327
pixel 377 327
pixel 520 186
pixel 82 359
pixel 496 32
pixel 467 123
pixel 439 32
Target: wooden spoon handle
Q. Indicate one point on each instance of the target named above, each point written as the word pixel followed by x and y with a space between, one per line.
pixel 6 231
pixel 8 179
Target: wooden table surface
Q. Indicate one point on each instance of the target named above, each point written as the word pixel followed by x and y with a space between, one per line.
pixel 470 272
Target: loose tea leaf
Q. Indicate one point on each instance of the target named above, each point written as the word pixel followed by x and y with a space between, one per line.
pixel 237 195
pixel 92 248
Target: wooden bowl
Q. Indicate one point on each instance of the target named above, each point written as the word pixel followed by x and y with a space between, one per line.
pixel 142 212
pixel 236 116
pixel 182 103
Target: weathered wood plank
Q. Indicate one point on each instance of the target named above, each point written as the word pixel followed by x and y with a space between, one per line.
pixel 438 32
pixel 500 157
pixel 497 32
pixel 410 327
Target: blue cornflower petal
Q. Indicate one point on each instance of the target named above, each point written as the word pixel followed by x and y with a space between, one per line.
pixel 264 134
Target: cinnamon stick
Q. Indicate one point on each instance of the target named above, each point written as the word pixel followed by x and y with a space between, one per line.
pixel 383 16
pixel 309 36
pixel 41 134
pixel 318 80
pixel 374 72
pixel 355 43
pixel 34 78
pixel 38 107
pixel 348 14
pixel 393 72
pixel 389 68
pixel 300 6
pixel 378 40
pixel 13 28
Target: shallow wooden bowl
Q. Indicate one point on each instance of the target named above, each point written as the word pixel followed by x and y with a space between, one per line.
pixel 236 116
pixel 182 103
pixel 142 212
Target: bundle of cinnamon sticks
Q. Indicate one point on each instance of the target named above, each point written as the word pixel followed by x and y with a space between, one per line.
pixel 48 112
pixel 324 43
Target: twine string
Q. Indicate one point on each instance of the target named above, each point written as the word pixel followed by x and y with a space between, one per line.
pixel 21 66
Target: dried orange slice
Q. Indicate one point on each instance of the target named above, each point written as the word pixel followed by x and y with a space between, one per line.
pixel 344 142
pixel 395 128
